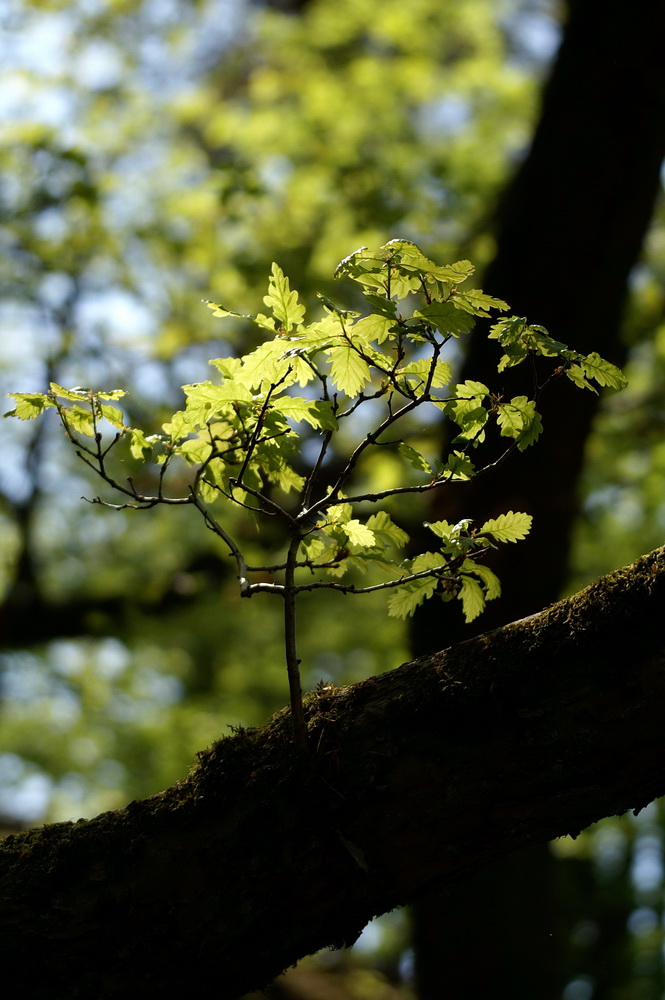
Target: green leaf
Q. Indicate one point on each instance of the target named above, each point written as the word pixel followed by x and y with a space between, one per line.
pixel 531 433
pixel 139 445
pixel 386 530
pixel 29 404
pixel 472 597
pixel 488 578
pixel 540 341
pixel 508 330
pixel 205 399
pixel 208 493
pixel 510 527
pixel 364 266
pixel 330 306
pixel 453 274
pixel 283 302
pixel 111 394
pixel 458 466
pixel 77 395
pixel 113 415
pixel 467 411
pixel 576 374
pixel 359 534
pixel 519 340
pixel 404 601
pixel 447 318
pixel 286 476
pixel 374 327
pixel 348 370
pixel 477 302
pixel 421 370
pixel 519 419
pixel 603 372
pixel 80 420
pixel 221 311
pixel 195 451
pixel 442 529
pixel 443 373
pixel 265 367
pixel 382 306
pixel 410 257
pixel 318 413
pixel 470 391
pixel 314 546
pixel 324 333
pixel 229 367
pixel 515 355
pixel 456 538
pixel 414 458
pixel 338 513
pixel 180 425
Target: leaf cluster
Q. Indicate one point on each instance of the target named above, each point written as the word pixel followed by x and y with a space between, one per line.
pixel 242 433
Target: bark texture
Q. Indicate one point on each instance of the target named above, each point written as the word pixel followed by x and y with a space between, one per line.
pixel 415 777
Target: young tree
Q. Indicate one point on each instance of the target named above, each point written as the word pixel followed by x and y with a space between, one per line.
pixel 377 372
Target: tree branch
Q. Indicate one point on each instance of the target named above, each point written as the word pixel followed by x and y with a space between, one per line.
pixel 422 774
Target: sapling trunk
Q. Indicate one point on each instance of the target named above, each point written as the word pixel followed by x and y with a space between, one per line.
pixel 290 644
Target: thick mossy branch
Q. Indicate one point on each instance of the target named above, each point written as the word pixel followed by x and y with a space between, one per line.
pixel 414 777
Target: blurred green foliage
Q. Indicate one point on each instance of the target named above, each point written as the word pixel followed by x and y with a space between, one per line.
pixel 153 154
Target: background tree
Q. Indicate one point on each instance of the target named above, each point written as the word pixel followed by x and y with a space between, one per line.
pixel 577 196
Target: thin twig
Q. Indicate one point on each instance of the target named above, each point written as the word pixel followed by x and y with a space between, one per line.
pixel 259 424
pixel 215 526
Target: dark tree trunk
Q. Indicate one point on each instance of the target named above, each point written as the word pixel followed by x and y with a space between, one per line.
pixel 571 228
pixel 417 777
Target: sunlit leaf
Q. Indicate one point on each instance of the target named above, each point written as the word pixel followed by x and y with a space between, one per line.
pixel 80 421
pixel 374 327
pixel 205 399
pixel 29 404
pixel 488 577
pixel 382 525
pixel 139 446
pixel 519 419
pixel 603 372
pixel 472 597
pixel 76 395
pixel 577 375
pixel 358 533
pixel 414 458
pixel 458 466
pixel 283 301
pixel 447 318
pixel 510 527
pixel 113 415
pixel 348 370
pixel 318 413
pixel 405 599
pixel 478 303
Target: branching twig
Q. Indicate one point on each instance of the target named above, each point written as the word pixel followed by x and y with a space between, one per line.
pixel 215 526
